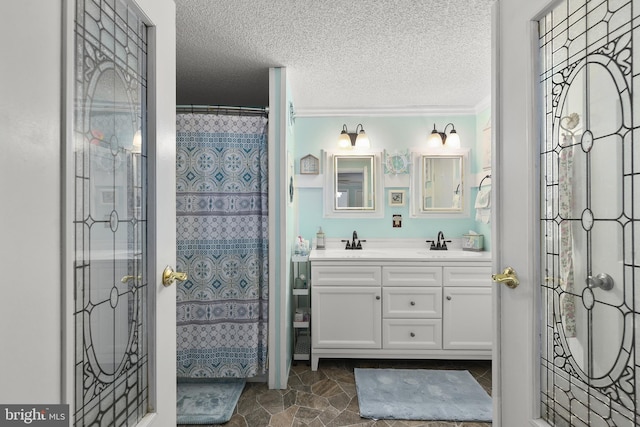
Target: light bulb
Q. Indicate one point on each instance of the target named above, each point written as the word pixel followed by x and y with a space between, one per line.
pixel 434 140
pixel 343 140
pixel 453 140
pixel 362 141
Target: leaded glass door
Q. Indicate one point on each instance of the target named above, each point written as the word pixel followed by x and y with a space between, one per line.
pixel 119 206
pixel 590 173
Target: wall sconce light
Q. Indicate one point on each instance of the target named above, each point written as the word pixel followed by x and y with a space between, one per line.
pixel 353 139
pixel 441 139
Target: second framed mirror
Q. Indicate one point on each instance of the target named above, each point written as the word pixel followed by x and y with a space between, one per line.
pixel 438 183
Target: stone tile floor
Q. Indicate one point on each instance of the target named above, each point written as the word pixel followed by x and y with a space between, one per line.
pixel 327 397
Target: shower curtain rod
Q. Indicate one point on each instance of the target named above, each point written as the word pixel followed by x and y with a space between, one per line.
pixel 223 109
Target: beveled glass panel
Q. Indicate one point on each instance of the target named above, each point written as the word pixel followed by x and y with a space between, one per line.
pixel 589 368
pixel 110 167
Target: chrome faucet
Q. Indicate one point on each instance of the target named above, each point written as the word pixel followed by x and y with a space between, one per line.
pixel 354 243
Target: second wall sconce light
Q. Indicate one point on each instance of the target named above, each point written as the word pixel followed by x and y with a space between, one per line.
pixel 441 139
pixel 353 139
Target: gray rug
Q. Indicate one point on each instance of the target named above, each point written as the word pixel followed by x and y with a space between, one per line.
pixel 419 394
pixel 207 401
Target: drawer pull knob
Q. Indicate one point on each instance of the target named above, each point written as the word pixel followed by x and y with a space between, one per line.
pixel 449 297
pixel 412 303
pixel 412 334
pixel 377 296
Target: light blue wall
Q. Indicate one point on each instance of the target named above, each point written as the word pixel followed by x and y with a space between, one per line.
pixel 313 134
pixel 482 123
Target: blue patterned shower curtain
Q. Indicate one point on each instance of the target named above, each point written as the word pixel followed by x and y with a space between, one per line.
pixel 222 241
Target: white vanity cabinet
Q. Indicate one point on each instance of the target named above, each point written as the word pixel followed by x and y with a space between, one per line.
pixel 403 310
pixel 347 300
pixel 467 314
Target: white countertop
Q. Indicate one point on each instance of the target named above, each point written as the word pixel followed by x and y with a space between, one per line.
pixel 395 250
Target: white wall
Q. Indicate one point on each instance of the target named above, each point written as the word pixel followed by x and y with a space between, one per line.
pixel 30 81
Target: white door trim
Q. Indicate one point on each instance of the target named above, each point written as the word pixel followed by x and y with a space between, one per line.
pixel 67 206
pixel 515 143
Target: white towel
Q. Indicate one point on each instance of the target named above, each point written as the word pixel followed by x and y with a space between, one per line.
pixel 483 215
pixel 456 201
pixel 483 199
pixel 483 205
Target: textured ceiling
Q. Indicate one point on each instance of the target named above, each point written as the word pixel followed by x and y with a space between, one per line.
pixel 340 54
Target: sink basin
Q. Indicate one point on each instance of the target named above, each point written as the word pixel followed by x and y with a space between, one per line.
pixel 450 254
pixel 358 253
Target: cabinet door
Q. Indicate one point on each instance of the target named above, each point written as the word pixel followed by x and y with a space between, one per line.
pixel 467 318
pixel 346 317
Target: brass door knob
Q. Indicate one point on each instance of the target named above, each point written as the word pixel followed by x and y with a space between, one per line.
pixel 169 276
pixel 508 277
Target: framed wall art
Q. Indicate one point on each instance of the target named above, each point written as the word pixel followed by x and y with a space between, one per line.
pixel 309 165
pixel 396 198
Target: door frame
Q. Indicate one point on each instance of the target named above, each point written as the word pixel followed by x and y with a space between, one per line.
pixel 160 18
pixel 516 122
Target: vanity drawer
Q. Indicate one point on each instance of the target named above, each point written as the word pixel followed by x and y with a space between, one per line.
pixel 412 276
pixel 345 276
pixel 467 276
pixel 411 302
pixel 412 333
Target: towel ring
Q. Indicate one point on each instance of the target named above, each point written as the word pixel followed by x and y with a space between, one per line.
pixel 480 186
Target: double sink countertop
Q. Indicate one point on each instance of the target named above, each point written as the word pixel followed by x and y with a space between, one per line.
pixel 396 249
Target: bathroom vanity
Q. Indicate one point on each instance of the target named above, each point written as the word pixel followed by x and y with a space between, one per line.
pixel 400 302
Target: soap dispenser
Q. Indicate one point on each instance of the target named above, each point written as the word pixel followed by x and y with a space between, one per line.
pixel 320 239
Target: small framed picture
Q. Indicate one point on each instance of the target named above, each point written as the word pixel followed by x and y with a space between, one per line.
pixel 396 197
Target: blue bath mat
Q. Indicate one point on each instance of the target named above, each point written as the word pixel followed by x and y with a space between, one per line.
pixel 420 394
pixel 208 400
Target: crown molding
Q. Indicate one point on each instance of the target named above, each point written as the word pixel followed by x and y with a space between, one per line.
pixel 427 110
pixel 483 104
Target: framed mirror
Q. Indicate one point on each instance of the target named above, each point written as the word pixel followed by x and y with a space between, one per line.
pixel 438 183
pixel 441 183
pixel 353 185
